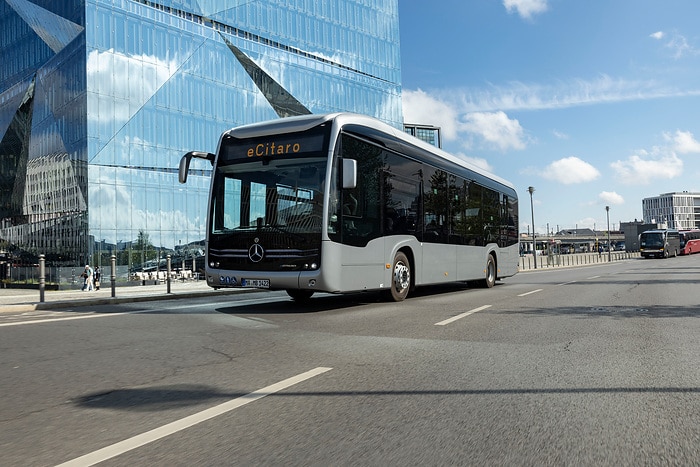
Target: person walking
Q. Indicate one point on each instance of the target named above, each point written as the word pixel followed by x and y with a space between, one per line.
pixel 96 276
pixel 88 275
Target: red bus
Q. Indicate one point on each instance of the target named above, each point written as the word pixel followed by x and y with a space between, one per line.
pixel 690 241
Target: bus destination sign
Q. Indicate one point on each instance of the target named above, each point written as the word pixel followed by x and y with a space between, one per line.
pixel 276 146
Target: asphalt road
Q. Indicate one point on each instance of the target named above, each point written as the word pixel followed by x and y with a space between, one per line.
pixel 590 366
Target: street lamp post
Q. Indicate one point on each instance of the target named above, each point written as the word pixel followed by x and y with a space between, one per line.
pixel 607 214
pixel 531 190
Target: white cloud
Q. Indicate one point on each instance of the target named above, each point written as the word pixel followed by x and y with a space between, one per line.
pixel 496 129
pixel 420 107
pixel 677 43
pixel 493 128
pixel 683 142
pixel 563 94
pixel 585 223
pixel 526 8
pixel 661 162
pixel 610 197
pixel 642 168
pixel 570 170
pixel 680 47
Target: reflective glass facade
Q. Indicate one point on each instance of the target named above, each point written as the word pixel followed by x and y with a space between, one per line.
pixel 99 99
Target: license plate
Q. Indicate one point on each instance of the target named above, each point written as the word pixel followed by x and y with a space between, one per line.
pixel 257 283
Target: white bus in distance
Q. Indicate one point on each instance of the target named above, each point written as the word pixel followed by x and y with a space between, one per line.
pixel 343 203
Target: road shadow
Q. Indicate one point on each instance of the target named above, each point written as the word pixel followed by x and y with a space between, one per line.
pixel 163 398
pixel 328 302
pixel 612 312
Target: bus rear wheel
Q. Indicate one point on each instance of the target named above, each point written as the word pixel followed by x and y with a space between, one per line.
pixel 300 295
pixel 400 277
pixel 490 271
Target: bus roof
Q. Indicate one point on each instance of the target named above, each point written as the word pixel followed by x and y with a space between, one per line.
pixel 660 231
pixel 344 119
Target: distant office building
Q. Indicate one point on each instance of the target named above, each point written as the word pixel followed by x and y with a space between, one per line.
pixel 675 210
pixel 100 98
pixel 428 133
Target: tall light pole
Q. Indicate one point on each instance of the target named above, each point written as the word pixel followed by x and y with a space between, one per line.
pixel 607 214
pixel 531 190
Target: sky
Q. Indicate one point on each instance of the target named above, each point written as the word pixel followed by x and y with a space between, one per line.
pixel 593 103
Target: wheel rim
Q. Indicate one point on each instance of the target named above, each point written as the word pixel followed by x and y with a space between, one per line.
pixel 402 276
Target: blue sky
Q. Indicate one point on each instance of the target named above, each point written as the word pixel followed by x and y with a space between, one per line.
pixel 593 102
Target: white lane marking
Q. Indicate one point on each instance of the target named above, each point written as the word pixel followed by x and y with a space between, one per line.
pixel 178 425
pixel 593 277
pixel 566 283
pixel 106 315
pixel 70 318
pixel 467 313
pixel 530 292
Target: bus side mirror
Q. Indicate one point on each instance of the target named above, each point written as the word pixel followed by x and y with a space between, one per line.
pixel 185 163
pixel 349 173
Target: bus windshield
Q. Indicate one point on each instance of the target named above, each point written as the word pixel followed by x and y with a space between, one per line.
pixel 652 240
pixel 275 194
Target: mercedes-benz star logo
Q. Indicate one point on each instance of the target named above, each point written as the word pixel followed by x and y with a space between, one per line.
pixel 256 253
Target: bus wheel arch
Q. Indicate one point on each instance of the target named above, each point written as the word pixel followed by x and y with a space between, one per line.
pixel 401 275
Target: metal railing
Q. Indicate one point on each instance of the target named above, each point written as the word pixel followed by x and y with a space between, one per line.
pixel 573 260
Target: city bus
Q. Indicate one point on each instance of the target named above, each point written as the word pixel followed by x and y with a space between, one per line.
pixel 344 203
pixel 660 243
pixel 690 241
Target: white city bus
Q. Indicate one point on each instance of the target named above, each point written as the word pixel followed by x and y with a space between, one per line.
pixel 344 203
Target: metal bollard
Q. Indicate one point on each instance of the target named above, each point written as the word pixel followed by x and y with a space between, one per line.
pixel 42 277
pixel 168 278
pixel 113 274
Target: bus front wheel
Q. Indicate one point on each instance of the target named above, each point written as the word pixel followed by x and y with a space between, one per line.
pixel 400 277
pixel 300 295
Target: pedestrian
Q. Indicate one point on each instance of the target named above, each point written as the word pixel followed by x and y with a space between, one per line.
pixel 97 276
pixel 88 274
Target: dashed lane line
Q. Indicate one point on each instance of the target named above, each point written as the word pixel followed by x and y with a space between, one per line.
pixel 69 318
pixel 460 316
pixel 530 292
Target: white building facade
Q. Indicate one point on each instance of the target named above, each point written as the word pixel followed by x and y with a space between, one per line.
pixel 680 210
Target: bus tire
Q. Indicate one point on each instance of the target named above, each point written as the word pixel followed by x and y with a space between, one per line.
pixel 400 277
pixel 490 272
pixel 300 295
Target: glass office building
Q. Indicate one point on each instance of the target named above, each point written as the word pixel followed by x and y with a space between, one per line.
pixel 99 99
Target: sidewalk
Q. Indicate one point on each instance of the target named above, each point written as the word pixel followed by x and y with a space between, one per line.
pixel 20 300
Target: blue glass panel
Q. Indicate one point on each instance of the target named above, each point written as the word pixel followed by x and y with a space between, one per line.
pixel 159 81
